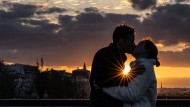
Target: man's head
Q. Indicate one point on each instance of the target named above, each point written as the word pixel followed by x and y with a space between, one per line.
pixel 123 36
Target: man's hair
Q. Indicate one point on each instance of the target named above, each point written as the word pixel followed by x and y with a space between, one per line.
pixel 152 50
pixel 122 31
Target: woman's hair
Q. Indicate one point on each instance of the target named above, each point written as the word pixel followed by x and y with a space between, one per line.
pixel 152 51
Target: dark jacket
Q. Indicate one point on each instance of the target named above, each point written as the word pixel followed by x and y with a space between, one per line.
pixel 107 67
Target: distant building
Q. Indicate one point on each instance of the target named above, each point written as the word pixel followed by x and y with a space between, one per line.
pixel 81 76
pixel 24 79
pixel 2 65
pixel 22 69
pixel 16 68
pixel 81 72
pixel 28 69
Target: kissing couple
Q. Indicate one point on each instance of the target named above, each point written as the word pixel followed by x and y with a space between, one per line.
pixel 110 87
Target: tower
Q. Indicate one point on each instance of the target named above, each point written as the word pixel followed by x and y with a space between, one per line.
pixel 37 63
pixel 161 86
pixel 84 66
pixel 42 64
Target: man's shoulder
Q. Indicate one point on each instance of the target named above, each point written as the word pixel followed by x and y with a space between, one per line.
pixel 102 54
pixel 102 51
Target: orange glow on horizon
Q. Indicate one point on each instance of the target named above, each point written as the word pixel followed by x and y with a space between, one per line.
pixel 169 76
pixel 159 45
pixel 161 71
pixel 67 68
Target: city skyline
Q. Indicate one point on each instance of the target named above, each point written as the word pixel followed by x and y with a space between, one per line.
pixel 68 33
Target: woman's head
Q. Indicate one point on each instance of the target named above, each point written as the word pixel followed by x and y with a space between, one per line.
pixel 147 49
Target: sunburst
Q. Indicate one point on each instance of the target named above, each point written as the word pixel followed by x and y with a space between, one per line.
pixel 126 70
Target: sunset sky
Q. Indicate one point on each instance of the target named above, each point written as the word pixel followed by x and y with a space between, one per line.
pixel 67 33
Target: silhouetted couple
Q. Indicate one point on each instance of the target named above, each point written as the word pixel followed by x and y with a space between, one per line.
pixel 110 87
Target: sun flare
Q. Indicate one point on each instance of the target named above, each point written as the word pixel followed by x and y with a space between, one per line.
pixel 126 69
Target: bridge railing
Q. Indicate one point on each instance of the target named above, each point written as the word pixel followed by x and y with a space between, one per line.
pixel 82 102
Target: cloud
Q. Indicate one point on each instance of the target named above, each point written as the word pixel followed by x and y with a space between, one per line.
pixel 17 10
pixel 91 9
pixel 142 5
pixel 51 10
pixel 175 59
pixel 169 24
pixel 75 39
pixel 165 24
pixel 179 1
pixel 19 31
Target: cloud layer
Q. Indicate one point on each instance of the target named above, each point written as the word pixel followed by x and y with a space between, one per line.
pixel 169 21
pixel 27 32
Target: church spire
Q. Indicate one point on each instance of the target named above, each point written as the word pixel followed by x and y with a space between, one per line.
pixel 37 63
pixel 84 67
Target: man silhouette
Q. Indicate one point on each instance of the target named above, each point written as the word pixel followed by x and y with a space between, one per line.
pixel 108 65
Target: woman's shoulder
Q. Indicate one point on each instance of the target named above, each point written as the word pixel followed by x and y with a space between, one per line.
pixel 143 61
pixel 148 62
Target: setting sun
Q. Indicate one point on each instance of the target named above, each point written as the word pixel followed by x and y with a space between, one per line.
pixel 126 69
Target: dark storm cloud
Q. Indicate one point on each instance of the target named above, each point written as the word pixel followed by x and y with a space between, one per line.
pixel 143 4
pixel 169 21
